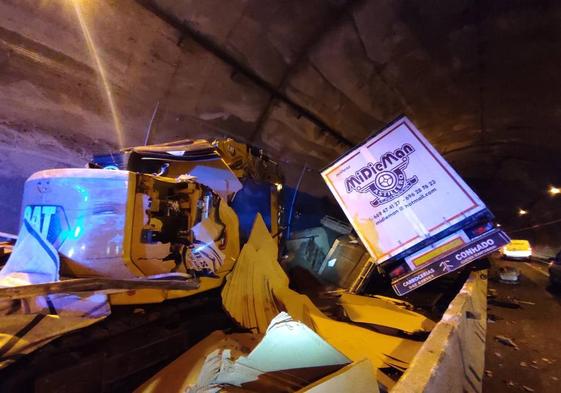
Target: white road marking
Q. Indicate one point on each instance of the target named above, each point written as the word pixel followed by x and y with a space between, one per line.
pixel 536 269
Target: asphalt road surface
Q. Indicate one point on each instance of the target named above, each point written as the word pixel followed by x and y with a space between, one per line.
pixel 534 328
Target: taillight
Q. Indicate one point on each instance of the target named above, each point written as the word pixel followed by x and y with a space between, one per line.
pixel 398 271
pixel 479 230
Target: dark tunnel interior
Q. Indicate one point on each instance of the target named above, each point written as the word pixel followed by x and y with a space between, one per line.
pixel 303 80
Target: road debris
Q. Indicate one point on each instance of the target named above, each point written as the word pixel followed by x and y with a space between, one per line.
pixel 287 346
pixel 381 311
pixel 509 275
pixel 489 373
pixel 504 302
pixel 523 364
pixel 498 354
pixel 525 302
pixel 289 357
pixel 492 318
pixel 546 360
pixel 506 341
pixel 527 388
pixel 33 262
pixel 257 290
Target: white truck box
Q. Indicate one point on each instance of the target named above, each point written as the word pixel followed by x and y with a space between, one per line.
pixel 398 192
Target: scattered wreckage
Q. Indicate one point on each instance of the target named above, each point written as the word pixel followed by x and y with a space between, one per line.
pixel 197 227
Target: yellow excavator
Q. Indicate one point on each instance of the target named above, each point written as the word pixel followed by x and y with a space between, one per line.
pixel 172 212
pixel 161 210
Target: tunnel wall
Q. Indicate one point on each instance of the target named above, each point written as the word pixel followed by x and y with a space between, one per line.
pixel 25 150
pixel 479 79
pixel 54 108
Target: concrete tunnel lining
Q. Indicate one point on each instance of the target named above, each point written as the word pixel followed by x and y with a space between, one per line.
pixel 304 81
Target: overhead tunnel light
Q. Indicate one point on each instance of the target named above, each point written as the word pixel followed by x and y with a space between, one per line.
pixel 554 190
pixel 522 212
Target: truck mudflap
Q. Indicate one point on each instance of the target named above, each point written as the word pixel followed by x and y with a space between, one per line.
pixel 449 262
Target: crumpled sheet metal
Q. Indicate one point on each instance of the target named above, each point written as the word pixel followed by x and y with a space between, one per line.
pixel 28 324
pixel 289 357
pixel 257 290
pixel 232 251
pixel 184 372
pixel 356 377
pixel 379 311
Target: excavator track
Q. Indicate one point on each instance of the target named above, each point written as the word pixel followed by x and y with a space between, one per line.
pixel 120 352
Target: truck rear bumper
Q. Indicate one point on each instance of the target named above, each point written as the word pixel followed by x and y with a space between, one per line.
pixel 449 262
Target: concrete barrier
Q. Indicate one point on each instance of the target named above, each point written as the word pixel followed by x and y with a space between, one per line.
pixel 452 359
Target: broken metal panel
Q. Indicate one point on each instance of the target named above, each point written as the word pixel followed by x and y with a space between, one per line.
pixel 309 247
pixel 184 372
pixel 197 158
pixel 287 358
pixel 232 241
pixel 261 239
pixel 293 345
pixel 356 377
pixel 344 262
pixel 33 260
pixel 257 290
pixel 357 343
pixel 27 324
pixel 173 281
pixel 378 311
pixel 145 296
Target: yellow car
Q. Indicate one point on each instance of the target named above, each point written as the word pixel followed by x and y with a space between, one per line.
pixel 517 249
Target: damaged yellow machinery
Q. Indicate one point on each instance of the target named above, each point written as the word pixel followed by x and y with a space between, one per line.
pixel 161 210
pixel 162 222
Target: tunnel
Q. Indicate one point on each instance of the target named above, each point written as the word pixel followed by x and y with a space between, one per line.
pixel 305 82
pixel 302 81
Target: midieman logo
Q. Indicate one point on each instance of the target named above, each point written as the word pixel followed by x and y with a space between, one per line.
pixel 386 178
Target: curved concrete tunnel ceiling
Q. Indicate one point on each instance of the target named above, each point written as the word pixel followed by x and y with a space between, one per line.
pixel 304 80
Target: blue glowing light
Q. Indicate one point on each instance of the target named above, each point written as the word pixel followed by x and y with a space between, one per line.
pixel 83 192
